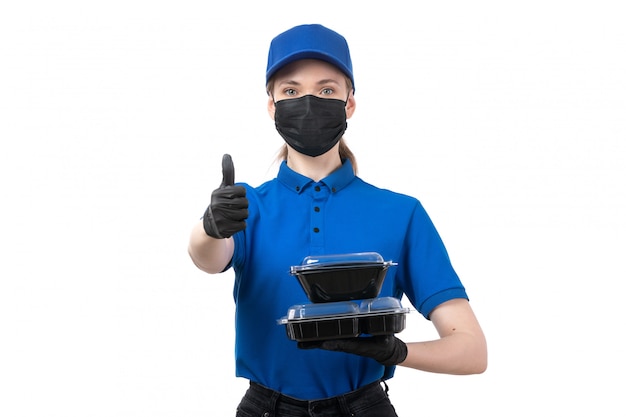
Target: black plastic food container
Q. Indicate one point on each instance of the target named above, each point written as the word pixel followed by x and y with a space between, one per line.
pixel 382 316
pixel 344 319
pixel 353 276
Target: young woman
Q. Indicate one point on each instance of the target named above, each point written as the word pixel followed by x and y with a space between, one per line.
pixel 318 205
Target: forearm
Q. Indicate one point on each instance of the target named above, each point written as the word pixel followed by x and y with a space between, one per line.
pixel 456 354
pixel 462 347
pixel 209 254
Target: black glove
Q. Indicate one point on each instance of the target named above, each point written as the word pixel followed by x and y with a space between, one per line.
pixel 386 349
pixel 228 210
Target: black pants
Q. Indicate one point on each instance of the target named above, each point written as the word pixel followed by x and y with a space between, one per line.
pixel 369 401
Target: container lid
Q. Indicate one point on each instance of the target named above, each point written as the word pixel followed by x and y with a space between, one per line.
pixel 332 310
pixel 382 304
pixel 317 310
pixel 340 261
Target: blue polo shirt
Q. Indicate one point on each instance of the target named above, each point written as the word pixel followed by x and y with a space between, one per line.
pixel 291 217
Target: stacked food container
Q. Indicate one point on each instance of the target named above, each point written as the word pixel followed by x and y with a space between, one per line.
pixel 344 293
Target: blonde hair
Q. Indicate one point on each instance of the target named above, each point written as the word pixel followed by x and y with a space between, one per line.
pixel 344 150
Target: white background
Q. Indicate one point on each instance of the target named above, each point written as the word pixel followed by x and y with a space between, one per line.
pixel 506 119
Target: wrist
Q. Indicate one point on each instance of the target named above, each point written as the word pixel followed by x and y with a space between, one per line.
pixel 210 227
pixel 397 354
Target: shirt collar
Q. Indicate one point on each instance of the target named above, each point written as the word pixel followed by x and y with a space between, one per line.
pixel 335 181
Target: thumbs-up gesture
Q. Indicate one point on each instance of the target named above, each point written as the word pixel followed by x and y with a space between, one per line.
pixel 228 210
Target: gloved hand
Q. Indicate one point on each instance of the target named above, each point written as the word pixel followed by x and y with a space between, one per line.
pixel 386 349
pixel 228 210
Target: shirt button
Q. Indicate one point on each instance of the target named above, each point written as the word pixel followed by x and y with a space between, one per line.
pixel 316 229
pixel 317 209
pixel 298 188
pixel 334 190
pixel 317 188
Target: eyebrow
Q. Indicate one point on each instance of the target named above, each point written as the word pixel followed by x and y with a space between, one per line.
pixel 288 82
pixel 320 82
pixel 328 81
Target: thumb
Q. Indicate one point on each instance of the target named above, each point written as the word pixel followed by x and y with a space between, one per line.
pixel 228 171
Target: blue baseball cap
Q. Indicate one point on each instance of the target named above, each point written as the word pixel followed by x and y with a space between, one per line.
pixel 309 41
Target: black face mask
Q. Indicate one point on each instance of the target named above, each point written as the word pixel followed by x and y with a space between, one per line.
pixel 309 124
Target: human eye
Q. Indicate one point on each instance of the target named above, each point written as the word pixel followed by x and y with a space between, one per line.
pixel 290 92
pixel 327 91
